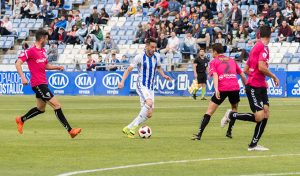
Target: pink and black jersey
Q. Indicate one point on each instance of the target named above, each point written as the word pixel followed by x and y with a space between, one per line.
pixel 36 59
pixel 259 52
pixel 227 71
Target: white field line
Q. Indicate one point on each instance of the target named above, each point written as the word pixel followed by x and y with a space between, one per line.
pixel 172 162
pixel 274 174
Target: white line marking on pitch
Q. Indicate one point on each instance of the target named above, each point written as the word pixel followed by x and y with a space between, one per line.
pixel 171 162
pixel 275 174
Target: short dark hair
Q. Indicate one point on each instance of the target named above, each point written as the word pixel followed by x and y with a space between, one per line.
pixel 150 40
pixel 217 47
pixel 40 33
pixel 265 32
pixel 202 49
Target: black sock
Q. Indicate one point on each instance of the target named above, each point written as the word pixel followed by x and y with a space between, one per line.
pixel 203 124
pixel 31 113
pixel 259 129
pixel 231 125
pixel 60 116
pixel 243 116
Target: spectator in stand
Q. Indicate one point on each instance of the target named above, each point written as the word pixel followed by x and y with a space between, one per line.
pixel 266 10
pixel 196 30
pixel 116 8
pixel 290 14
pixel 212 6
pixel 219 39
pixel 124 8
pixel 139 35
pixel 277 21
pixel 253 24
pixel 163 29
pixel 17 9
pixel 173 8
pixel 151 32
pixel 139 9
pixel 52 36
pixel 243 34
pixel 97 37
pixel 52 52
pixel 204 35
pixel 61 35
pixel 71 37
pixel 148 4
pixel 296 34
pixel 70 22
pixel 235 15
pixel 206 13
pixel 192 22
pixel 285 32
pixel 131 9
pixel 220 23
pixel 91 63
pixel 297 10
pixel 189 45
pixel 162 42
pixel 272 12
pixel 24 13
pixel 109 45
pixel 82 32
pixel 46 13
pixel 223 4
pixel 124 63
pixel 172 47
pixel 100 65
pixel 93 18
pixel 6 27
pixel 161 7
pixel 180 25
pixel 114 62
pixel 89 43
pixel 233 35
pixel 226 12
pixel 184 12
pixel 103 17
pixel 61 23
pixel 78 21
pixel 263 19
pixel 32 9
pixel 171 28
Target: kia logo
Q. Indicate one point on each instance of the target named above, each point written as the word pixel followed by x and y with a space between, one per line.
pixel 111 80
pixel 58 80
pixel 85 81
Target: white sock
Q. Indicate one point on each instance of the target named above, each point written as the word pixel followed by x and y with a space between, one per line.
pixel 142 117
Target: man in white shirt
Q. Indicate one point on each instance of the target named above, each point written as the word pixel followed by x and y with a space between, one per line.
pixel 221 5
pixel 189 45
pixel 116 8
pixel 171 49
pixel 6 26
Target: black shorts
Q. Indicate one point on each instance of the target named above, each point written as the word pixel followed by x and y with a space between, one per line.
pixel 43 92
pixel 201 78
pixel 257 97
pixel 233 97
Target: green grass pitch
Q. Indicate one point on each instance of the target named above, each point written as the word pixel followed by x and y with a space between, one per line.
pixel 46 149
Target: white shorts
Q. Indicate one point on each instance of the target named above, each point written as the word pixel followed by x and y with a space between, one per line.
pixel 145 94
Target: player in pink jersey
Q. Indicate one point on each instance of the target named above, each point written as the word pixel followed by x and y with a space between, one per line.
pixel 36 59
pixel 224 71
pixel 256 89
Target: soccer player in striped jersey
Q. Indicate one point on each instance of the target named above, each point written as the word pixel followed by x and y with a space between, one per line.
pixel 147 63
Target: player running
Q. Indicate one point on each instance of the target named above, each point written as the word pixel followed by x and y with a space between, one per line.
pixel 36 59
pixel 224 71
pixel 147 63
pixel 256 89
pixel 200 68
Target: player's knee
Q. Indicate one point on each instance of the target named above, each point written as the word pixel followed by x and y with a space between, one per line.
pixel 150 113
pixel 149 103
pixel 267 113
pixel 57 106
pixel 259 116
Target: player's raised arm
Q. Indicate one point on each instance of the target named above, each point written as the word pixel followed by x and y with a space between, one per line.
pixel 54 67
pixel 19 63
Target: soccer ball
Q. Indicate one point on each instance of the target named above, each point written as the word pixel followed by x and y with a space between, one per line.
pixel 145 132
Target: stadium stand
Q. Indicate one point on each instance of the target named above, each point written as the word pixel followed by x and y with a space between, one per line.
pixel 123 29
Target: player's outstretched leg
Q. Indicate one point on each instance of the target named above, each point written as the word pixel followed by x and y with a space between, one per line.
pixel 203 124
pixel 60 116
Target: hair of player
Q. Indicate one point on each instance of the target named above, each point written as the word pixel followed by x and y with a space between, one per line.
pixel 217 47
pixel 40 34
pixel 150 40
pixel 265 32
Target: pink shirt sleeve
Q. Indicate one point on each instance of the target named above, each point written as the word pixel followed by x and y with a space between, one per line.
pixel 263 55
pixel 23 56
pixel 238 69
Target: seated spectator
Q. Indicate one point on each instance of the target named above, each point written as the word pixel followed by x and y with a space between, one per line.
pixel 71 37
pixel 52 52
pixel 180 25
pixel 124 8
pixel 151 32
pixel 57 3
pixel 171 49
pixel 148 4
pixel 113 64
pixel 17 9
pixel 6 27
pixel 109 45
pixel 173 8
pixel 139 35
pixel 161 7
pixel 162 42
pixel 235 15
pixel 184 12
pixel 103 17
pixel 290 14
pixel 82 32
pixel 263 19
pixel 233 35
pixel 253 24
pixel 61 36
pixel 170 28
pixel 219 39
pixel 297 10
pixel 285 32
pixel 91 63
pixel 163 29
pixel 116 8
pixel 78 21
pixel 212 6
pixel 206 13
pixel 192 22
pixel 125 63
pixel 189 45
pixel 32 9
pixel 100 65
pixel 277 21
pixel 223 4
pixel 266 10
pixel 89 43
pixel 97 37
pixel 24 13
pixel 196 30
pixel 296 34
pixel 131 9
pixel 46 13
pixel 220 23
pixel 204 35
pixel 272 12
pixel 70 22
pixel 139 9
pixel 52 35
pixel 93 18
pixel 61 23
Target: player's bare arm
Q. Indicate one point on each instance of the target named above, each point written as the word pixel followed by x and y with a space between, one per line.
pixel 262 67
pixel 125 75
pixel 54 67
pixel 244 79
pixel 216 84
pixel 20 71
pixel 161 72
pixel 246 70
pixel 195 72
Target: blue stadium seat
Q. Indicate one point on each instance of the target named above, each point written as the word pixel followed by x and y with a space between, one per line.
pixel 121 33
pixel 122 42
pixel 129 32
pixel 128 23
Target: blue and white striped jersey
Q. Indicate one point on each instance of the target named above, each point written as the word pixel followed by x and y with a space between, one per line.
pixel 146 69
